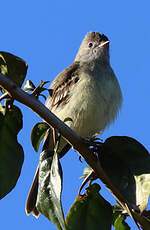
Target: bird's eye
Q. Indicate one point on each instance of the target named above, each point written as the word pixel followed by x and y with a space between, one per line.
pixel 90 44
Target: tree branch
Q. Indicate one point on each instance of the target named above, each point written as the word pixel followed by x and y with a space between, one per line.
pixel 75 140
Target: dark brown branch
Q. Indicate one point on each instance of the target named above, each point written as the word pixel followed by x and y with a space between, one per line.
pixel 76 141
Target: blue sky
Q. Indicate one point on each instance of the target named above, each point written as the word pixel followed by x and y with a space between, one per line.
pixel 47 35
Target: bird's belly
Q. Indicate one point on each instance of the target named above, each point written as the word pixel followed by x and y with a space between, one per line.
pixel 86 110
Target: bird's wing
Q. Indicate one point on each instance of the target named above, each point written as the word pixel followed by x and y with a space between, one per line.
pixel 62 86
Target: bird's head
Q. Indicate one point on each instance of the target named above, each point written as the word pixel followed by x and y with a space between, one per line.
pixel 95 46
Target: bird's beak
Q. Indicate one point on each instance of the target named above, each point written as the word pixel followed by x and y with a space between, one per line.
pixel 103 44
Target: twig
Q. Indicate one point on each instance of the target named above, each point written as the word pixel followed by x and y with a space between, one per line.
pixel 92 173
pixel 71 137
pixel 4 95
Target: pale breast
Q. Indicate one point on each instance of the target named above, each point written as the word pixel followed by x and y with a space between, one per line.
pixel 93 104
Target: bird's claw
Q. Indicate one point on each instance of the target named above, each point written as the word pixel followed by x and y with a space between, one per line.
pixel 93 143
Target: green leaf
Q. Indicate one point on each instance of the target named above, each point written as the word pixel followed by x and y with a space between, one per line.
pixel 28 86
pixel 90 211
pixel 119 219
pixel 13 67
pixel 50 189
pixel 11 152
pixel 117 210
pixel 50 92
pixel 68 119
pixel 41 87
pixel 43 83
pixel 37 134
pixel 127 163
pixel 86 172
pixel 120 224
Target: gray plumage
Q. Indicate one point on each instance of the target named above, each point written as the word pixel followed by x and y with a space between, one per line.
pixel 88 92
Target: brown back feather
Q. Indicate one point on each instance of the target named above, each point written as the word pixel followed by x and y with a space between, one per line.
pixel 62 85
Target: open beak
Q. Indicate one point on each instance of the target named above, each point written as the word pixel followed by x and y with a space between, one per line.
pixel 103 44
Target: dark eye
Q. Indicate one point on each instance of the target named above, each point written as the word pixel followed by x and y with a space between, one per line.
pixel 90 44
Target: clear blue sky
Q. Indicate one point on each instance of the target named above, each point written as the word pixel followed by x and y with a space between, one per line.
pixel 47 35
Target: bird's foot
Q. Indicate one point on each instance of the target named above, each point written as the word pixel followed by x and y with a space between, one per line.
pixel 93 142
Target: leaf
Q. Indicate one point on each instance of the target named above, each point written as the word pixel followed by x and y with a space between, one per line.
pixel 41 87
pixel 43 96
pixel 90 211
pixel 11 152
pixel 28 86
pixel 13 67
pixel 50 189
pixel 68 119
pixel 142 190
pixel 120 224
pixel 50 92
pixel 87 171
pixel 117 210
pixel 43 83
pixel 37 134
pixel 127 163
pixel 119 219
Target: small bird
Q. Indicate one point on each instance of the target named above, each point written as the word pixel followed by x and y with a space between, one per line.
pixel 88 92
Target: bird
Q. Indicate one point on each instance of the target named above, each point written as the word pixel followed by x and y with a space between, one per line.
pixel 88 92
